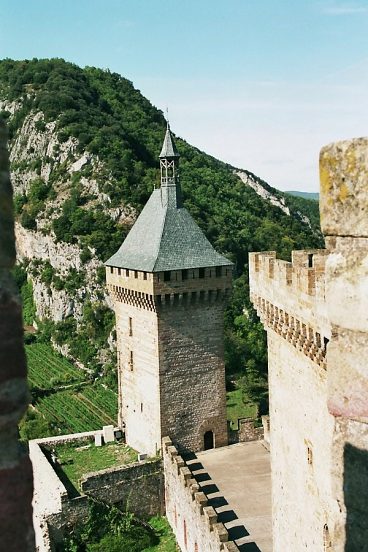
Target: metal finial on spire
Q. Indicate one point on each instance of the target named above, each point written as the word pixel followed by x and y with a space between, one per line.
pixel 167 117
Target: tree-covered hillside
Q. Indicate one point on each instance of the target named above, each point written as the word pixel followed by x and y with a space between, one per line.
pixel 100 115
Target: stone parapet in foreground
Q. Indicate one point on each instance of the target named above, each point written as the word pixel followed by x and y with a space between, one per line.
pixel 16 485
pixel 344 220
pixel 194 523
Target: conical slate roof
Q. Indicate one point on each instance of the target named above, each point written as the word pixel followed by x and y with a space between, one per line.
pixel 165 237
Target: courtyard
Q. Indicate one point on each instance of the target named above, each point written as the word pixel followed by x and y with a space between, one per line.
pixel 237 481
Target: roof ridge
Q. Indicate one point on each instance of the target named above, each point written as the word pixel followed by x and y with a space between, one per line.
pixel 162 229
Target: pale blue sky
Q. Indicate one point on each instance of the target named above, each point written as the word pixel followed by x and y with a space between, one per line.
pixel 262 84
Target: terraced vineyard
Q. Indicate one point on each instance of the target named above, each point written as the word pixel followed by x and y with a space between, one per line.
pixel 47 369
pixel 85 407
pixel 88 409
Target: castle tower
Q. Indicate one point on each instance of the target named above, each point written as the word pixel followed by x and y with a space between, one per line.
pixel 315 311
pixel 169 288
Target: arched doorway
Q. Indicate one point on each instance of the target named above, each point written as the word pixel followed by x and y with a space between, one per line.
pixel 208 440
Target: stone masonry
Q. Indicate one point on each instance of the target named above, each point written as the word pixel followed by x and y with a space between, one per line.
pixel 315 311
pixel 16 484
pixel 194 522
pixel 170 354
pixel 136 487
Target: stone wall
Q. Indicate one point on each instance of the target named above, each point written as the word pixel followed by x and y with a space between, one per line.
pixel 56 526
pixel 137 487
pixel 300 436
pixel 171 356
pixel 138 379
pixel 192 374
pixel 49 494
pixel 194 522
pixel 344 221
pixel 245 431
pixel 315 310
pixel 15 468
pixel 290 299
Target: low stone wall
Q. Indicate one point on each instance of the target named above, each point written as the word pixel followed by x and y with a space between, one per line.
pixel 194 522
pixel 48 495
pixel 247 431
pixel 73 511
pixel 137 487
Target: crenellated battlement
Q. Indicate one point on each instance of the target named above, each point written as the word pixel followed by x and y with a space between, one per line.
pixel 184 498
pixel 305 274
pixel 290 298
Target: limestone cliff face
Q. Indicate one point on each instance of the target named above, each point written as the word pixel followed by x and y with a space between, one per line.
pixel 271 197
pixel 51 302
pixel 37 153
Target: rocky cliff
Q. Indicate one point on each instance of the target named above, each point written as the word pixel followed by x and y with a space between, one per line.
pixel 36 153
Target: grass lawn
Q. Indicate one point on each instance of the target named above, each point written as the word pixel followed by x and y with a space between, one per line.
pixel 75 461
pixel 237 409
pixel 163 531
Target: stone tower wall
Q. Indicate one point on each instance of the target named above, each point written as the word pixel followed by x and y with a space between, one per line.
pixel 301 432
pixel 344 221
pixel 315 310
pixel 192 373
pixel 139 394
pixel 171 355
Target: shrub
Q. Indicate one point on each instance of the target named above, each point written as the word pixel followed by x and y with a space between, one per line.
pixel 109 529
pixel 29 307
pixel 47 274
pixel 34 426
pixel 28 220
pixel 19 201
pixel 85 255
pixel 38 190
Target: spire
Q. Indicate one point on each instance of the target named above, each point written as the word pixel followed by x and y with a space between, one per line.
pixel 169 167
pixel 168 147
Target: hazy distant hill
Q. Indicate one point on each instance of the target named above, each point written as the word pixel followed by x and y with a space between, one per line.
pixel 84 157
pixel 305 195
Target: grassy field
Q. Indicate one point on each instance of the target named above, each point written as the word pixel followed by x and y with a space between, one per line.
pixel 237 409
pixel 90 406
pixel 77 460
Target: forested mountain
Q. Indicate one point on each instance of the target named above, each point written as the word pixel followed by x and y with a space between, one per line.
pixel 306 195
pixel 84 149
